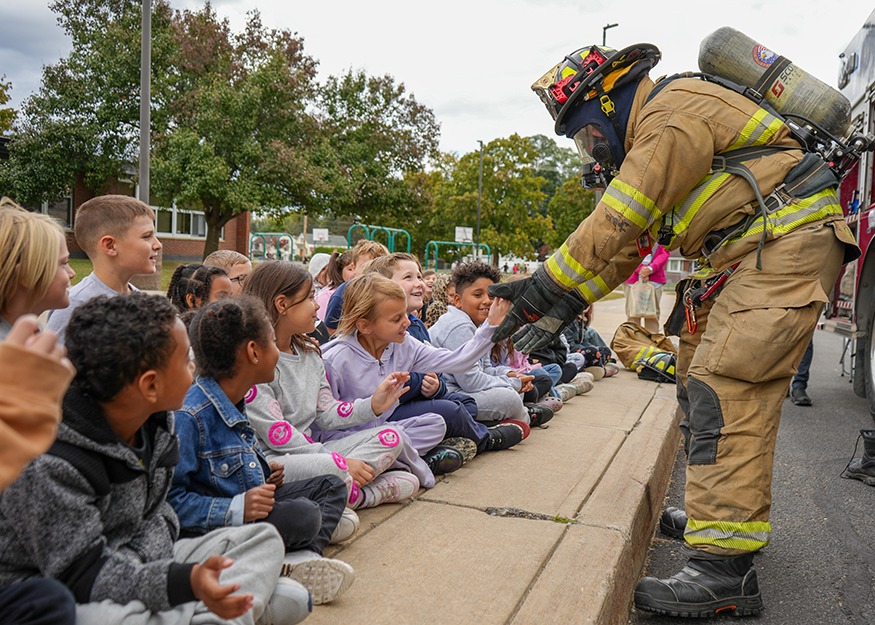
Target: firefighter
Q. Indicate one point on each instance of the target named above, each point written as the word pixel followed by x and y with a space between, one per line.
pixel 696 166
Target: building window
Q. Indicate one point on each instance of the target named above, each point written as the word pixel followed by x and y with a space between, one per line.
pixel 179 222
pixel 675 265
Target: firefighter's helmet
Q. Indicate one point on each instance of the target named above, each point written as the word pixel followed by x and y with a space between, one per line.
pixel 658 366
pixel 576 94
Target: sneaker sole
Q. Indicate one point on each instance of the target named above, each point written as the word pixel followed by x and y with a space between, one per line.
pixel 868 480
pixel 464 446
pixel 740 606
pixel 525 426
pixel 325 579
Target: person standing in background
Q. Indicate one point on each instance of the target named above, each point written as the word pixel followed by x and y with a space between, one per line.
pixel 652 269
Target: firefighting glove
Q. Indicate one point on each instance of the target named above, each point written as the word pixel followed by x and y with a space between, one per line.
pixel 531 298
pixel 541 333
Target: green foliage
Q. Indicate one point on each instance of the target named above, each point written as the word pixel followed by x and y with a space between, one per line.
pixel 83 122
pixel 234 140
pixel 510 221
pixel 7 115
pixel 569 206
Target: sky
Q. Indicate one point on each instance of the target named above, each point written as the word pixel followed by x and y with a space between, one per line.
pixel 473 61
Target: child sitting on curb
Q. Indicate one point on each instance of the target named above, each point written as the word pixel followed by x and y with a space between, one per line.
pixel 495 389
pixel 93 511
pixel 222 478
pixel 117 233
pixel 283 410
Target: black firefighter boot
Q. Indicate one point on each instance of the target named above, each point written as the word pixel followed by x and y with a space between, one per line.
pixel 673 522
pixel 863 469
pixel 707 585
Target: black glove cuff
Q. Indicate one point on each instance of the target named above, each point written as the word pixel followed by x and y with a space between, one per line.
pixel 550 290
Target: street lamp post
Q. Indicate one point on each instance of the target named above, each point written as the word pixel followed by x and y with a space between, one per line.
pixel 145 98
pixel 605 33
pixel 479 196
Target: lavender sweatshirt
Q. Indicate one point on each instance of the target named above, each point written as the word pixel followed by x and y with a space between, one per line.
pixel 353 373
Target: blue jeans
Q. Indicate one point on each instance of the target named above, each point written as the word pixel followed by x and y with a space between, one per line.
pixel 38 601
pixel 454 409
pixel 800 380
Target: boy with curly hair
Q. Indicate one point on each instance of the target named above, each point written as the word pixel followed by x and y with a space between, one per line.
pixel 496 389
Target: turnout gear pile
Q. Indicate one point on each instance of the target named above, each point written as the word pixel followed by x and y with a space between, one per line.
pixel 709 172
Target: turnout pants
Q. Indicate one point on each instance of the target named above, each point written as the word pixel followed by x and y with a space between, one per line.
pixel 733 376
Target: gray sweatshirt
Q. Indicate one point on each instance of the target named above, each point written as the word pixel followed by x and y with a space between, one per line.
pixel 283 411
pixel 453 330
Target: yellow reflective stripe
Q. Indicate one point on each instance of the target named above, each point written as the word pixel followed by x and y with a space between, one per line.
pixel 696 198
pixel 761 127
pixel 631 204
pixel 566 270
pixel 813 208
pixel 593 290
pixel 750 536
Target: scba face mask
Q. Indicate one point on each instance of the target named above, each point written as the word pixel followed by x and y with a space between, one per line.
pixel 599 164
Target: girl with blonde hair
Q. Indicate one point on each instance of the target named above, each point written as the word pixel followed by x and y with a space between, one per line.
pixel 373 341
pixel 35 271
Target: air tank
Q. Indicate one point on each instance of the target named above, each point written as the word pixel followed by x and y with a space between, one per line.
pixel 734 56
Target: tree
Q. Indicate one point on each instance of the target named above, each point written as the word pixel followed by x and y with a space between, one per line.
pixel 238 137
pixel 570 206
pixel 509 221
pixel 83 123
pixel 555 164
pixel 7 115
pixel 381 137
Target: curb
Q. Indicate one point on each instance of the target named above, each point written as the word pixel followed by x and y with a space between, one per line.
pixel 607 549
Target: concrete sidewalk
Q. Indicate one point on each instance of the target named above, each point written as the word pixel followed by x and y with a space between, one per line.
pixel 554 530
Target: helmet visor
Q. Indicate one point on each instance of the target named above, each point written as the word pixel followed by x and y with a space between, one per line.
pixel 592 145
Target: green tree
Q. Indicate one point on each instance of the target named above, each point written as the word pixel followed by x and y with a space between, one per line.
pixel 238 136
pixel 7 115
pixel 381 137
pixel 509 221
pixel 554 164
pixel 569 206
pixel 83 124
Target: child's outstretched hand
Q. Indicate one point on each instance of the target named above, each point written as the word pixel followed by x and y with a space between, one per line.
pixel 258 502
pixel 498 311
pixel 360 472
pixel 389 391
pixel 430 385
pixel 277 472
pixel 206 587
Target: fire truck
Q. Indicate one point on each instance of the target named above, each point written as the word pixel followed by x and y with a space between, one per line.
pixel 851 312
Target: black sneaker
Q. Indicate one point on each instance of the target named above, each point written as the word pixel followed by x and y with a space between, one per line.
pixel 443 459
pixel 504 436
pixel 799 397
pixel 673 522
pixel 704 588
pixel 539 414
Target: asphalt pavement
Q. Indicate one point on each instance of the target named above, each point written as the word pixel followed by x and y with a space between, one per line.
pixel 820 567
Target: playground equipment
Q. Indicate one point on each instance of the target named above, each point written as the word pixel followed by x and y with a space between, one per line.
pixel 255 249
pixel 454 244
pixel 370 231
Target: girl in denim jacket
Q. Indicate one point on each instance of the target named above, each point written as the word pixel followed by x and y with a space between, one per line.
pixel 222 477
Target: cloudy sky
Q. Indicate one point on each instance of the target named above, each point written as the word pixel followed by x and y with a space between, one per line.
pixel 472 61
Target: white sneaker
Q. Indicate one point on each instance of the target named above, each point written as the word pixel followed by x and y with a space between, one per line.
pixel 346 527
pixel 597 372
pixel 326 579
pixel 390 487
pixel 289 604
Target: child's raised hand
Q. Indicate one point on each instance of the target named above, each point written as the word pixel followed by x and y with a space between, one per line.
pixel 389 391
pixel 498 311
pixel 430 385
pixel 258 502
pixel 360 472
pixel 277 472
pixel 206 587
